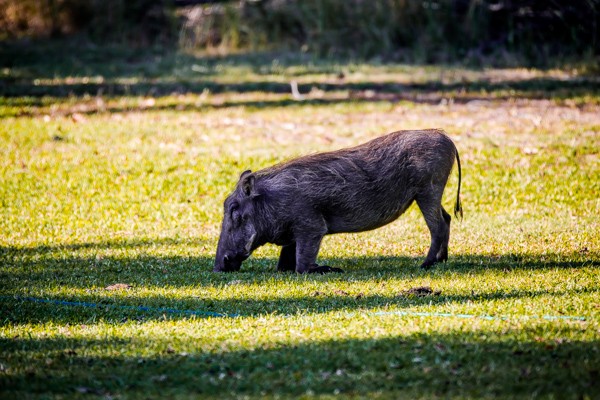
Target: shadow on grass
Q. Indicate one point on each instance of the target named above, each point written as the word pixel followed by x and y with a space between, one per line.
pixel 122 307
pixel 190 284
pixel 120 244
pixel 424 365
pixel 428 92
pixel 160 73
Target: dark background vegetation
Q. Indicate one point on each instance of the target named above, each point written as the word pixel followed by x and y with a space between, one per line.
pixel 501 32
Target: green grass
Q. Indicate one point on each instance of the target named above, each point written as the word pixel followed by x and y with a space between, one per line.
pixel 99 189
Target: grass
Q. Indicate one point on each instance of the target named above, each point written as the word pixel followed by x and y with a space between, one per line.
pixel 99 189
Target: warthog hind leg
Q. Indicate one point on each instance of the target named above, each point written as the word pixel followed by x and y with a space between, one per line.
pixel 438 222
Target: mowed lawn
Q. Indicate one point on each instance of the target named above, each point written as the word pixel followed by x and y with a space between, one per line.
pixel 113 170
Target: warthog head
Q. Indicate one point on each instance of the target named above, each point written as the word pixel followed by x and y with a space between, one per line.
pixel 239 230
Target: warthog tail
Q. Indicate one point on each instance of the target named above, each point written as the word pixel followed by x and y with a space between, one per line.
pixel 458 210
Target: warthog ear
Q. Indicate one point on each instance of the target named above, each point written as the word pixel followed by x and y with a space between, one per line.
pixel 247 181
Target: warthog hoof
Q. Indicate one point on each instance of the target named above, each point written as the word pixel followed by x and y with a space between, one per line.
pixel 324 269
pixel 428 263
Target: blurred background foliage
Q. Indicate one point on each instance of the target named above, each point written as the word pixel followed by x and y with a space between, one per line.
pixel 500 32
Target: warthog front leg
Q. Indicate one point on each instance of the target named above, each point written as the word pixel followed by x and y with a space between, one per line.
pixel 306 257
pixel 287 258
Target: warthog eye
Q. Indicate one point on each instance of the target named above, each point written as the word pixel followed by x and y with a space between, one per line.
pixel 235 213
pixel 236 217
pixel 234 207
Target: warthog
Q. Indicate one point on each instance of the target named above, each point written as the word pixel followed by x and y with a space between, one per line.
pixel 295 203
